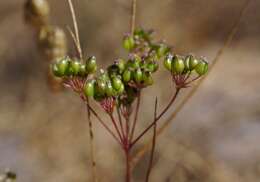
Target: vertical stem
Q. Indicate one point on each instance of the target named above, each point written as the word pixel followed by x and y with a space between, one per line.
pixel 92 146
pixel 133 17
pixel 153 146
pixel 128 167
pixel 136 116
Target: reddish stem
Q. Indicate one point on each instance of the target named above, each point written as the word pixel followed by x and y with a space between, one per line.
pixel 116 127
pixel 153 145
pixel 136 116
pixel 158 117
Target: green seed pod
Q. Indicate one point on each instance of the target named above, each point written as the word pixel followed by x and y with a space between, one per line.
pixel 190 62
pixel 177 65
pixel 100 86
pixel 116 83
pixel 127 75
pixel 110 90
pixel 82 70
pixel 132 64
pixel 104 75
pixel 202 68
pixel 91 64
pixel 128 43
pixel 147 78
pixel 75 67
pixel 89 88
pixel 121 65
pixel 152 66
pixel 168 62
pixel 61 67
pixel 162 50
pixel 138 75
pixel 121 89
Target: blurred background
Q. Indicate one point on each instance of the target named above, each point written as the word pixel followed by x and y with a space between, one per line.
pixel 215 138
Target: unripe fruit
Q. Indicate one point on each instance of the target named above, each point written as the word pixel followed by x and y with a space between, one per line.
pixel 152 66
pixel 121 65
pixel 89 88
pixel 147 78
pixel 138 75
pixel 177 65
pixel 82 70
pixel 61 67
pixel 127 75
pixel 75 67
pixel 121 89
pixel 110 90
pixel 190 62
pixel 116 83
pixel 113 70
pixel 128 43
pixel 133 64
pixel 100 86
pixel 91 64
pixel 162 50
pixel 168 62
pixel 202 68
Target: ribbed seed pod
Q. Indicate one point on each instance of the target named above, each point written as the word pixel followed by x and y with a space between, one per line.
pixel 190 62
pixel 177 65
pixel 116 83
pixel 89 88
pixel 61 67
pixel 147 78
pixel 100 86
pixel 91 65
pixel 127 75
pixel 152 66
pixel 138 75
pixel 202 67
pixel 75 67
pixel 110 90
pixel 162 50
pixel 128 43
pixel 52 42
pixel 168 62
pixel 121 65
pixel 36 12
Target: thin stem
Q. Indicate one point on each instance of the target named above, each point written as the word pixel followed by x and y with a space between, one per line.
pixel 220 52
pixel 136 116
pixel 194 79
pixel 153 146
pixel 133 17
pixel 76 30
pixel 120 121
pixel 128 166
pixel 92 147
pixel 103 123
pixel 159 116
pixel 116 127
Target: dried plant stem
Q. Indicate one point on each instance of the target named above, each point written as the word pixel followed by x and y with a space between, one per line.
pixel 133 17
pixel 138 155
pixel 153 144
pixel 92 146
pixel 76 30
pixel 76 39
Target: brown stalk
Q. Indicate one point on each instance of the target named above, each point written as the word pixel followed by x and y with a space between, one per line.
pixel 133 17
pixel 141 152
pixel 76 39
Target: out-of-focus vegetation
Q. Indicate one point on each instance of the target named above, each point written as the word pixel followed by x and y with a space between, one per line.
pixel 43 136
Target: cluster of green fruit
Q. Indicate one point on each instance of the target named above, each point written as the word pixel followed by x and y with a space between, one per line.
pixel 67 67
pixel 122 76
pixel 179 65
pixel 141 42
